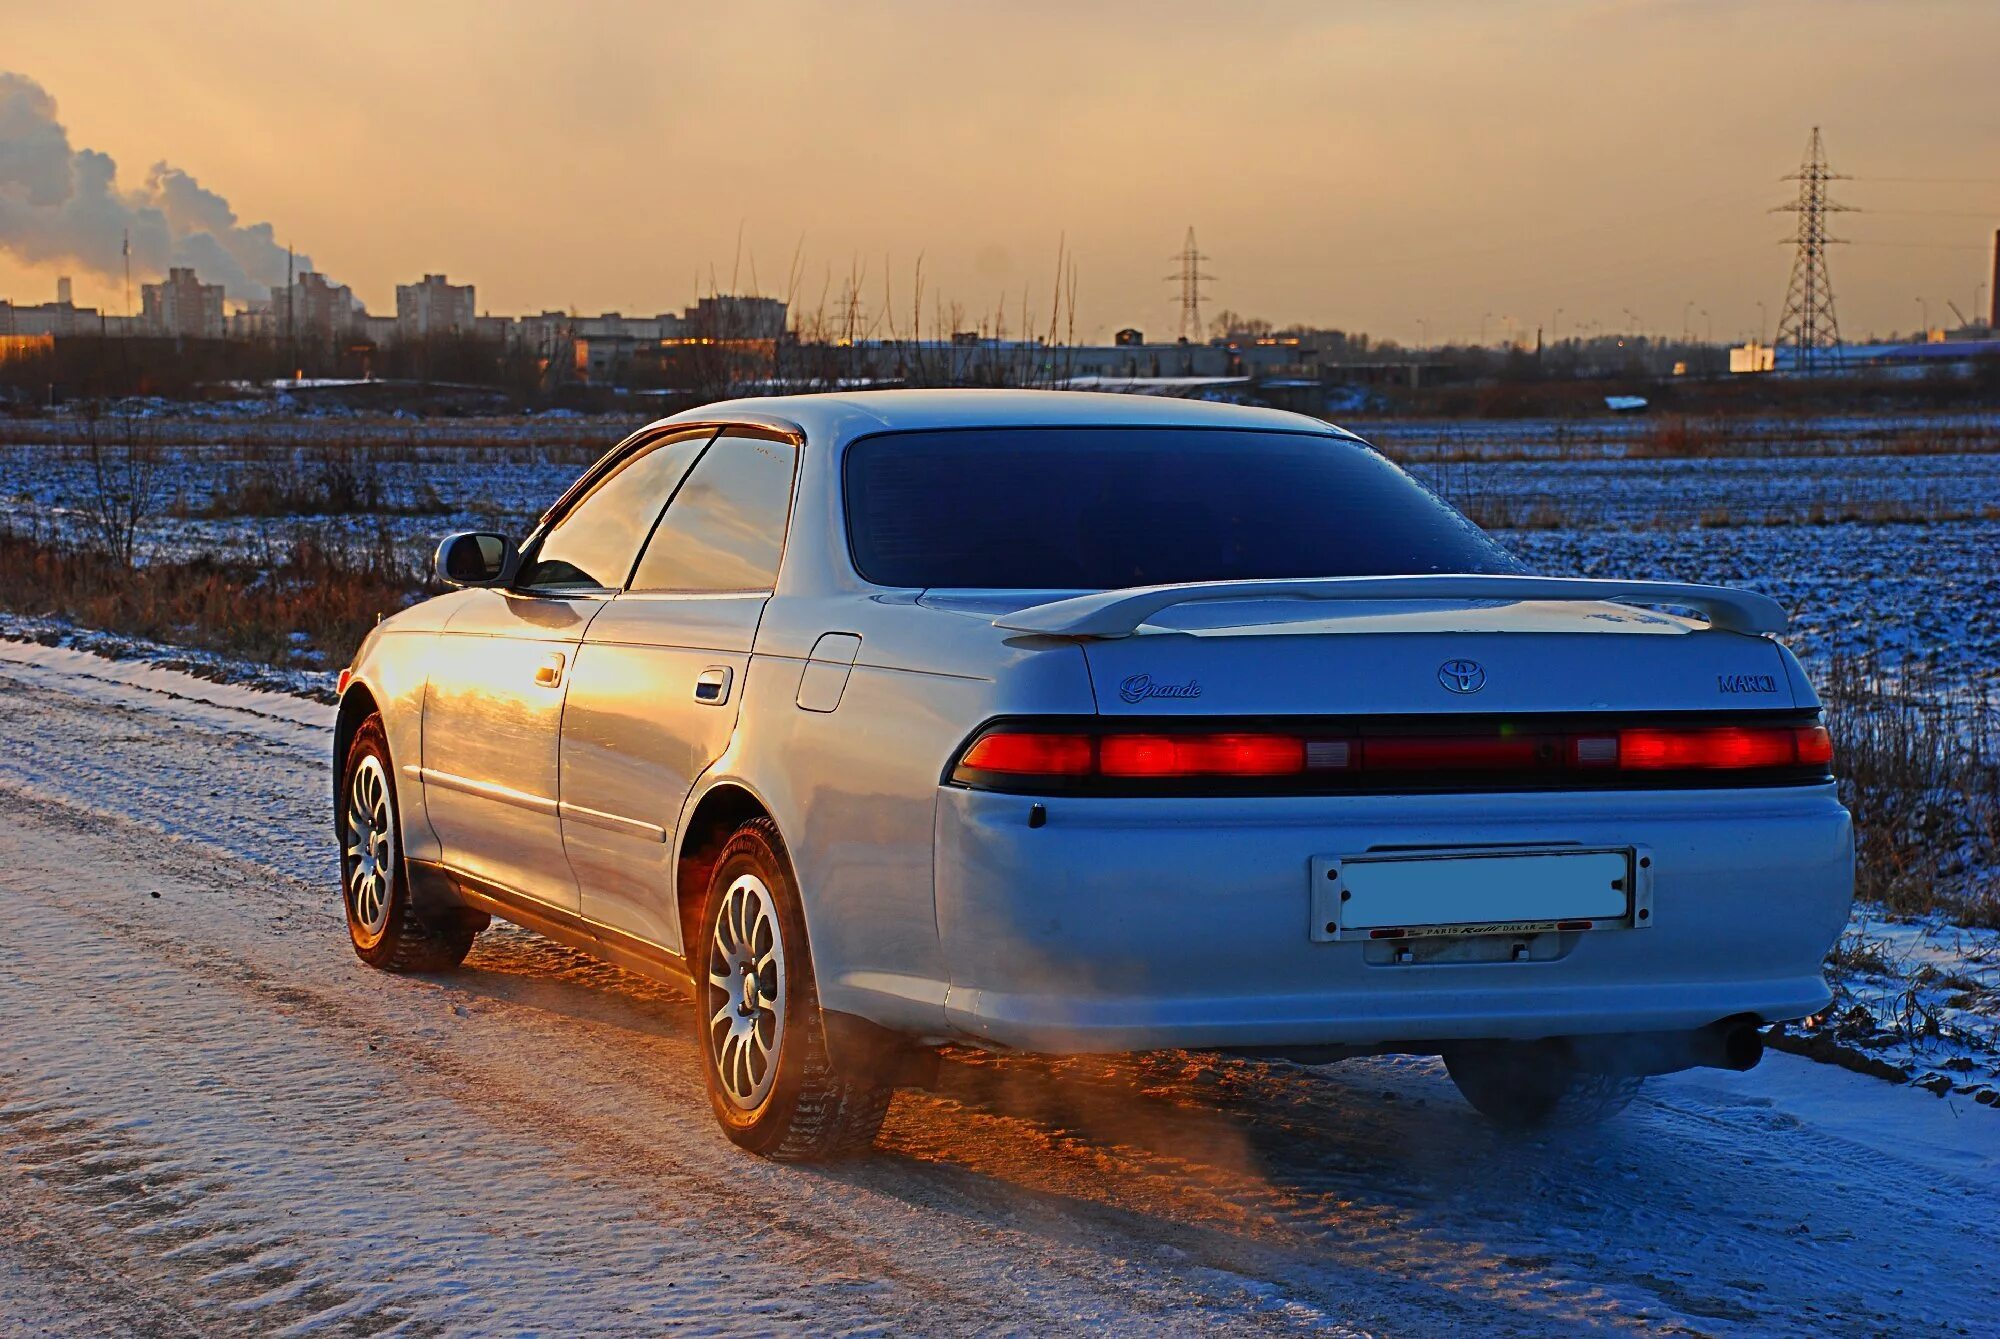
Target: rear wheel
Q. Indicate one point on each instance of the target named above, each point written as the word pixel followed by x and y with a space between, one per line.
pixel 387 930
pixel 772 1085
pixel 1530 1085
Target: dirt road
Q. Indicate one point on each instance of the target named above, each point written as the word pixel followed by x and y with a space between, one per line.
pixel 214 1119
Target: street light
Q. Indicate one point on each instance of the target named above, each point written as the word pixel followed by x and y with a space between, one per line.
pixel 1483 318
pixel 1424 329
pixel 1925 333
pixel 1555 327
pixel 1711 324
pixel 1687 310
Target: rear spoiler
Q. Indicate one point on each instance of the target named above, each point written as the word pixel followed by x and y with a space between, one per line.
pixel 1119 613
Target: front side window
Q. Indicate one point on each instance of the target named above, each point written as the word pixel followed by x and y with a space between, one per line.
pixel 593 545
pixel 726 528
pixel 1103 508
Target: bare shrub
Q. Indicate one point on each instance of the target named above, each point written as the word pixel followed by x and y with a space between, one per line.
pixel 1918 768
pixel 331 478
pixel 127 481
pixel 308 608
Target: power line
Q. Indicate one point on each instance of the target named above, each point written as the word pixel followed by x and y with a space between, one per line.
pixel 1939 213
pixel 1937 181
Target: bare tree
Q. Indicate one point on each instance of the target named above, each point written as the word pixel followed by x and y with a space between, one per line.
pixel 128 484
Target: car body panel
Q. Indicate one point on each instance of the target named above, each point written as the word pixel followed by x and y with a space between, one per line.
pixel 491 723
pixel 635 737
pixel 1127 924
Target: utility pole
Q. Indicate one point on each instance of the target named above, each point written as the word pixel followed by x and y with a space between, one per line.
pixel 1190 278
pixel 1808 323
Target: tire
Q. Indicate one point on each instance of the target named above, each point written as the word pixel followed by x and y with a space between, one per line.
pixel 770 1081
pixel 384 925
pixel 1527 1086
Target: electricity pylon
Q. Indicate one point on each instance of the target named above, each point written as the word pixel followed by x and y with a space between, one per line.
pixel 1808 324
pixel 1190 278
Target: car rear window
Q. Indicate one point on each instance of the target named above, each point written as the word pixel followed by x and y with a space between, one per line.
pixel 1099 508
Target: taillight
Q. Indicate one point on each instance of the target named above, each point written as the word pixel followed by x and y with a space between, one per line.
pixel 1031 754
pixel 1389 756
pixel 1728 748
pixel 1200 755
pixel 346 678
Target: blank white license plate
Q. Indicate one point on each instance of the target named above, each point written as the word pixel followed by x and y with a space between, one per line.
pixel 1412 895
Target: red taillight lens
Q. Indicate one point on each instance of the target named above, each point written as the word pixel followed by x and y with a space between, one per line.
pixel 1815 746
pixel 1530 756
pixel 1031 754
pixel 1730 748
pixel 1201 755
pixel 346 677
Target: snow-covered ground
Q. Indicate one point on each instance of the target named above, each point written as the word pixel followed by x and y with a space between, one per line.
pixel 214 1120
pixel 1585 506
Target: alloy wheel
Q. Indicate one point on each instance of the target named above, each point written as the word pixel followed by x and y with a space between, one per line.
pixel 370 846
pixel 743 999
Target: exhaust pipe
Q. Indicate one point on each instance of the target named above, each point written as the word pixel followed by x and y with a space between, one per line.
pixel 1731 1043
pixel 1742 1045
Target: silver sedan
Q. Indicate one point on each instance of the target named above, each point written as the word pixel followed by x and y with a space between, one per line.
pixel 1062 723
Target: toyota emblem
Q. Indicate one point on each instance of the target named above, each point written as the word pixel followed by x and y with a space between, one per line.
pixel 1462 676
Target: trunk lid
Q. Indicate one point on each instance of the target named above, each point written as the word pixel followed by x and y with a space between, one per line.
pixel 1276 657
pixel 1272 658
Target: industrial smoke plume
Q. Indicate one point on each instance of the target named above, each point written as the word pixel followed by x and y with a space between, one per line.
pixel 60 205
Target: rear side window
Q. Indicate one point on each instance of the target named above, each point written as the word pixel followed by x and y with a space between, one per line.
pixel 1101 508
pixel 593 545
pixel 725 530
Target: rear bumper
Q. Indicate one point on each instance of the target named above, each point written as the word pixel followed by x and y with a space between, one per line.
pixel 1135 924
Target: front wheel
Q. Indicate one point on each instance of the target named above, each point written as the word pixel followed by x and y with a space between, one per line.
pixel 770 1081
pixel 388 932
pixel 1529 1085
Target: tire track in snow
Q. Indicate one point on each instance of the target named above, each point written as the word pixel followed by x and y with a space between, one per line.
pixel 1046 1195
pixel 309 1053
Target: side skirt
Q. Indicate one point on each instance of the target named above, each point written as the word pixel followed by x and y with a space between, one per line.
pixel 435 886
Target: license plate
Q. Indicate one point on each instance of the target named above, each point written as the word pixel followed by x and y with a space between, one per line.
pixel 1480 891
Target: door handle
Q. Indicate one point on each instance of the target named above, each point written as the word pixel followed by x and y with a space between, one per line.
pixel 711 686
pixel 548 674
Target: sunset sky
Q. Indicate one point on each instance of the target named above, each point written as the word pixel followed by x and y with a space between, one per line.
pixel 1401 169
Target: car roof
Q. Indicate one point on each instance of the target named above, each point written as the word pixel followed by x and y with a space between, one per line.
pixel 842 415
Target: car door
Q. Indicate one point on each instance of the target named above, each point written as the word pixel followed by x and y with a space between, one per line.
pixel 658 678
pixel 494 706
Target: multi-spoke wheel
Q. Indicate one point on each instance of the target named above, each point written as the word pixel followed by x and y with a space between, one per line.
pixel 386 929
pixel 745 994
pixel 369 845
pixel 770 1080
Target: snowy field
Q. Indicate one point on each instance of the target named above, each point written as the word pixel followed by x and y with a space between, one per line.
pixel 1913 574
pixel 214 1120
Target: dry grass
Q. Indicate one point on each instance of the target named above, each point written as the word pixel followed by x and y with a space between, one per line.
pixel 1496 512
pixel 1850 511
pixel 1502 511
pixel 510 440
pixel 328 480
pixel 1919 769
pixel 309 609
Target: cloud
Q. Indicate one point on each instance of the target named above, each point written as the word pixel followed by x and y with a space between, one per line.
pixel 63 205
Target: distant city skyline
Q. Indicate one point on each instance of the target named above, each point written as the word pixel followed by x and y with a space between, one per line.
pixel 1431 171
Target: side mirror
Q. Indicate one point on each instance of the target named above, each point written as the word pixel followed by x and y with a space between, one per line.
pixel 475 559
